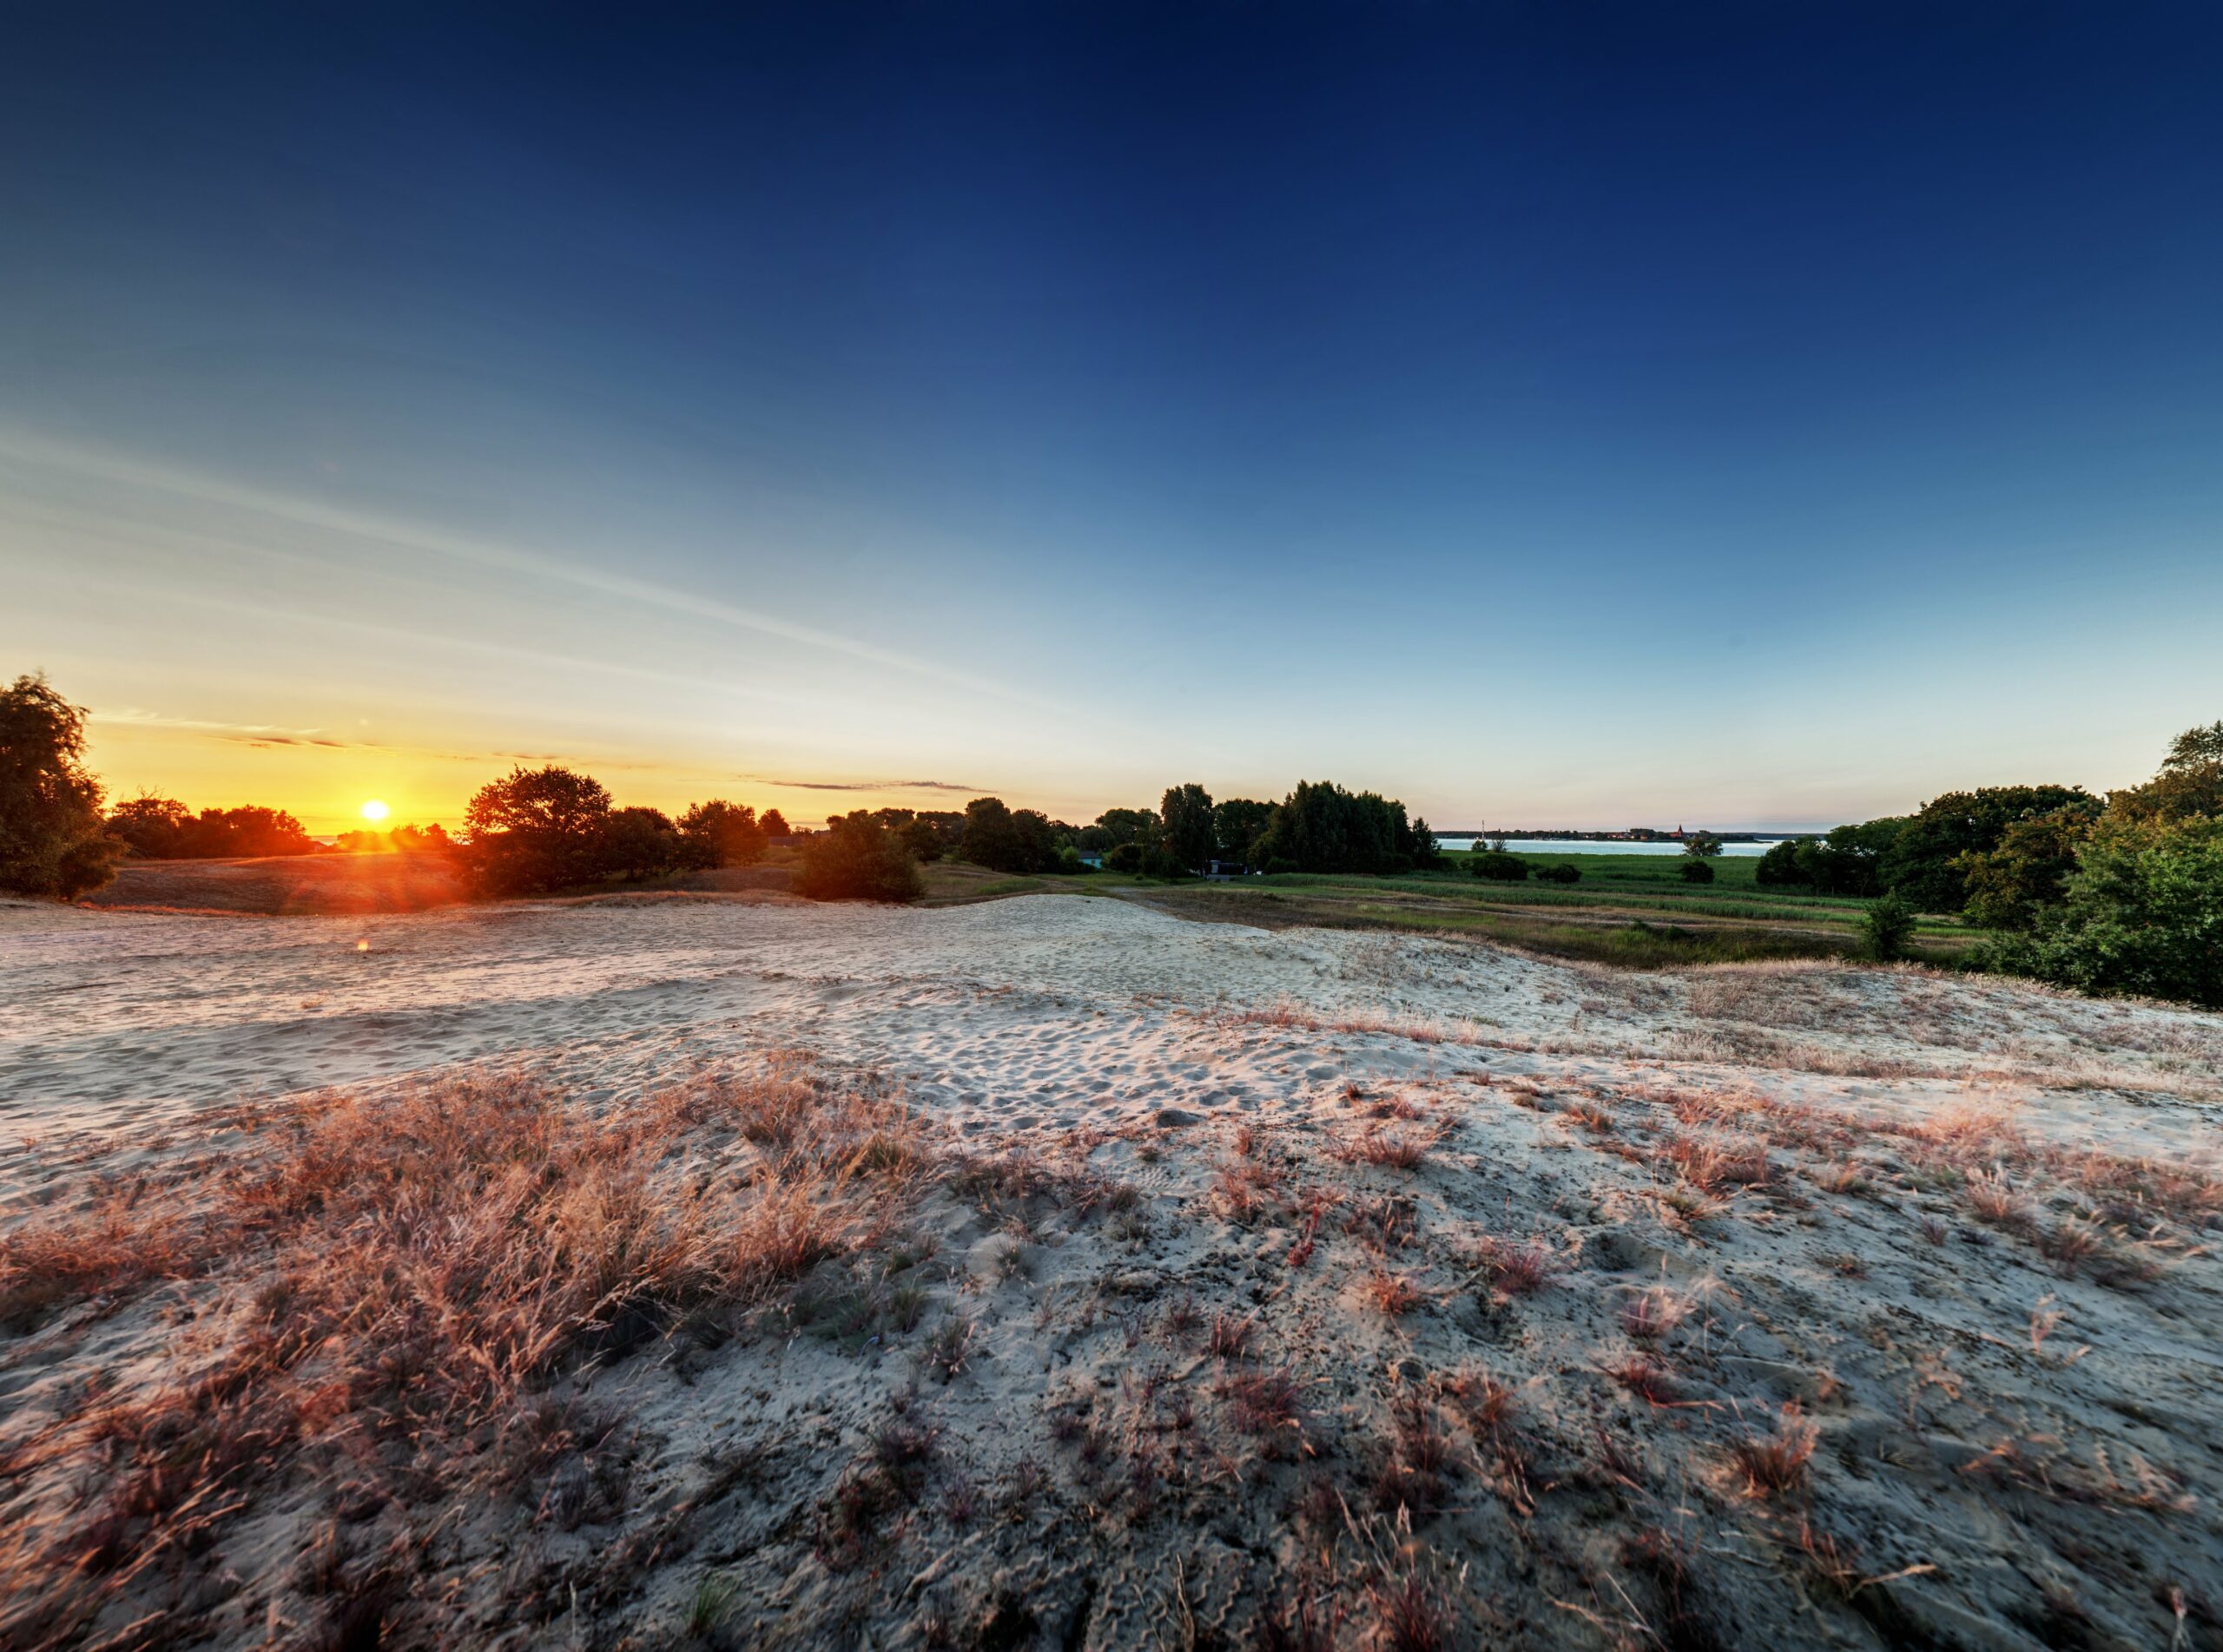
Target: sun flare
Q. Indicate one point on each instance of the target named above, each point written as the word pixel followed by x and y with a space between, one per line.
pixel 375 810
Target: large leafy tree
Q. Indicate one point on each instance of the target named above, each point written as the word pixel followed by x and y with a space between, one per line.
pixel 2011 885
pixel 719 834
pixel 1321 827
pixel 1191 834
pixel 153 827
pixel 1240 822
pixel 52 838
pixel 1006 840
pixel 535 830
pixel 1925 862
pixel 2189 785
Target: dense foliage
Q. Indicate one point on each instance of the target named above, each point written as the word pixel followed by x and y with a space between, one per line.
pixel 1848 861
pixel 2142 914
pixel 2122 897
pixel 161 828
pixel 535 830
pixel 1191 835
pixel 1017 841
pixel 1321 827
pixel 858 859
pixel 719 834
pixel 52 841
pixel 532 831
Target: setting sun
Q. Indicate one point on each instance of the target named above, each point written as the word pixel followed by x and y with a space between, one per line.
pixel 374 810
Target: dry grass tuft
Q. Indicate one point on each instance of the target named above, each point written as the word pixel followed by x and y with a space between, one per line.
pixel 1393 1294
pixel 1775 1463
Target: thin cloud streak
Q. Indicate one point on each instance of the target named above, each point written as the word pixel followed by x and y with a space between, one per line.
pixel 864 786
pixel 126 472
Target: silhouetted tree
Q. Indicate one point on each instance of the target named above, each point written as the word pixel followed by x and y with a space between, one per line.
pixel 775 824
pixel 857 859
pixel 153 827
pixel 534 830
pixel 1239 822
pixel 52 838
pixel 1189 836
pixel 637 843
pixel 1702 845
pixel 1321 827
pixel 719 834
pixel 1008 841
pixel 250 830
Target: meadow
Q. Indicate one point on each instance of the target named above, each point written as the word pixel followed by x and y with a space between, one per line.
pixel 1631 911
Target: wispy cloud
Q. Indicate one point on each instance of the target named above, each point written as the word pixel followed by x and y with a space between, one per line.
pixel 865 785
pixel 122 470
pixel 248 734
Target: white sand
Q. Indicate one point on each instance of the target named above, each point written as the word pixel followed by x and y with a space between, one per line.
pixel 1999 1489
pixel 1009 1014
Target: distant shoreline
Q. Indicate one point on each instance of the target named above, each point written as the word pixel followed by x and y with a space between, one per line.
pixel 1634 835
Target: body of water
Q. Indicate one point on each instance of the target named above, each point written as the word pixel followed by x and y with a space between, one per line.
pixel 1589 846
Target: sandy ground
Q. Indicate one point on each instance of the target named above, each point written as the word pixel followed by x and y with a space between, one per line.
pixel 1959 1228
pixel 1004 1015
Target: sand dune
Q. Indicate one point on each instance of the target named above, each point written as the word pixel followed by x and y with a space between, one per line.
pixel 1226 1282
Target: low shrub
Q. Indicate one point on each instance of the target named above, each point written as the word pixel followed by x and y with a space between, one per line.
pixel 1566 872
pixel 1889 925
pixel 1697 871
pixel 1498 866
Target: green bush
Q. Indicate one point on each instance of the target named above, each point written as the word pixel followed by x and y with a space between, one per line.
pixel 1889 925
pixel 1697 871
pixel 52 840
pixel 1277 864
pixel 1124 856
pixel 1500 867
pixel 2142 914
pixel 857 859
pixel 1566 872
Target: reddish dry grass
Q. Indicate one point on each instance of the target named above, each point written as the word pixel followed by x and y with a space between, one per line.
pixel 1645 1378
pixel 1776 1462
pixel 1393 1294
pixel 1393 1149
pixel 1261 1402
pixel 425 1264
pixel 1515 1269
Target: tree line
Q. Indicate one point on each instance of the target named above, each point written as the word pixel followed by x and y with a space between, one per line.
pixel 2120 894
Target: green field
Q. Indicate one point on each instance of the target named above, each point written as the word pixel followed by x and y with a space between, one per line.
pixel 1630 909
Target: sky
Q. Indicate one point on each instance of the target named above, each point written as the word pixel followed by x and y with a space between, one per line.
pixel 1551 414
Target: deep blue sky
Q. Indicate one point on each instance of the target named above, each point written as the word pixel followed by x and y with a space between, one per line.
pixel 1553 413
